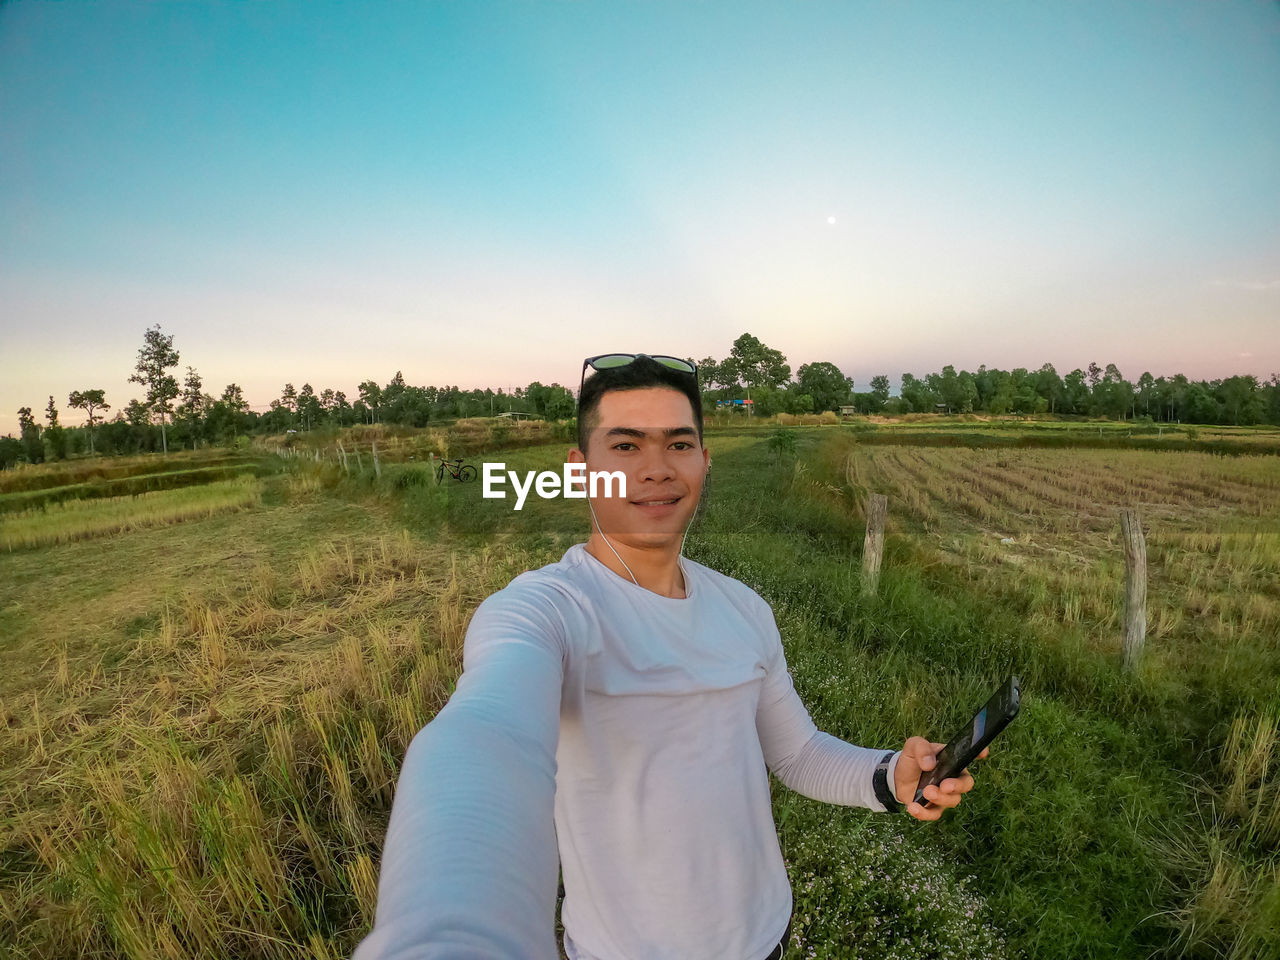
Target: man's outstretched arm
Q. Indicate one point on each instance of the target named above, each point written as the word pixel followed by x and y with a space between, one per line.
pixel 829 769
pixel 806 759
pixel 469 868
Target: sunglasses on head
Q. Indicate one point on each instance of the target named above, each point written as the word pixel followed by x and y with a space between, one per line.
pixel 611 361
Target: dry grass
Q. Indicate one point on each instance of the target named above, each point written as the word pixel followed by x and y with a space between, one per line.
pixel 220 787
pixel 396 444
pixel 79 519
pixel 61 473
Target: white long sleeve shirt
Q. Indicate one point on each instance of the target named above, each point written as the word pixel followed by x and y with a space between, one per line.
pixel 630 733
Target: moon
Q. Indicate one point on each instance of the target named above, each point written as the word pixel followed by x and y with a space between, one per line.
pixel 831 220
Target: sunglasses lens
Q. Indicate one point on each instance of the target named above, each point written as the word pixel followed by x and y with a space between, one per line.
pixel 611 361
pixel 675 363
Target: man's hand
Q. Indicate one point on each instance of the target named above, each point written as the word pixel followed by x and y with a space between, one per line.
pixel 919 755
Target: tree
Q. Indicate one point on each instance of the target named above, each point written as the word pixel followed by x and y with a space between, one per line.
pixel 1146 392
pixel 11 451
pixel 1200 406
pixel 768 401
pixel 155 357
pixel 949 388
pixel 309 409
pixel 1075 392
pixel 54 436
pixel 1176 390
pixel 1241 400
pixel 140 435
pixel 1114 395
pixel 89 401
pixel 233 397
pixel 278 418
pixel 29 433
pixel 137 413
pixel 342 409
pixel 1025 398
pixel 226 415
pixel 915 394
pixel 968 392
pixel 710 376
pixel 796 400
pixel 392 400
pixel 879 391
pixel 193 408
pixel 1049 385
pixel 866 402
pixel 552 402
pixel 755 365
pixel 824 384
pixel 371 397
pixel 986 387
pixel 1002 398
pixel 283 415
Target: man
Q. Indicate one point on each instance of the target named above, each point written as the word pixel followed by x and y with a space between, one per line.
pixel 621 707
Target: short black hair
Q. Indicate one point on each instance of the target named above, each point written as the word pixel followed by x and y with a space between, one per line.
pixel 639 373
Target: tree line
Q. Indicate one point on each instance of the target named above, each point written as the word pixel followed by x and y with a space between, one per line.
pixel 756 372
pixel 753 379
pixel 186 416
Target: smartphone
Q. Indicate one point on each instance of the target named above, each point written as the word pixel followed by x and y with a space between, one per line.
pixel 969 742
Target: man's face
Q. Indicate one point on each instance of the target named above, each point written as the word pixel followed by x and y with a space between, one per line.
pixel 650 436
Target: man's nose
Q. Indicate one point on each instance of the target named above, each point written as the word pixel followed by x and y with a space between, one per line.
pixel 656 466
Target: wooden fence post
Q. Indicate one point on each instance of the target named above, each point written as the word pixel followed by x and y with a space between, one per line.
pixel 1135 588
pixel 377 464
pixel 873 545
pixel 342 453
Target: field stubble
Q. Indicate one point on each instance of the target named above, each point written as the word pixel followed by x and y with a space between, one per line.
pixel 1038 531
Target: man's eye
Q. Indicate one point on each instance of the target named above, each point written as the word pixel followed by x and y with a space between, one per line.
pixel 683 445
pixel 619 446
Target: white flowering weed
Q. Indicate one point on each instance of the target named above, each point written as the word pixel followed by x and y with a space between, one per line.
pixel 865 890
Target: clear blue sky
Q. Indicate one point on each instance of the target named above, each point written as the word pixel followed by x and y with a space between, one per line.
pixel 484 193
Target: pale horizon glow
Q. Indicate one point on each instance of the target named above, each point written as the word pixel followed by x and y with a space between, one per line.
pixel 482 195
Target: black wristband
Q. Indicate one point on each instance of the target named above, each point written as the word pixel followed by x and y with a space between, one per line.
pixel 880 783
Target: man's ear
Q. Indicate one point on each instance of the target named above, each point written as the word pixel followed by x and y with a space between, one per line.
pixel 576 456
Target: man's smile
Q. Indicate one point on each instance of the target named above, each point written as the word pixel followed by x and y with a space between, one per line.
pixel 657 504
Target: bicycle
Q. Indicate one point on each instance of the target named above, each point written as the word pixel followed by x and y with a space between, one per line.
pixel 463 474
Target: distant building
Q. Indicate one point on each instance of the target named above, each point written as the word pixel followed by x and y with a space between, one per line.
pixel 517 415
pixel 848 410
